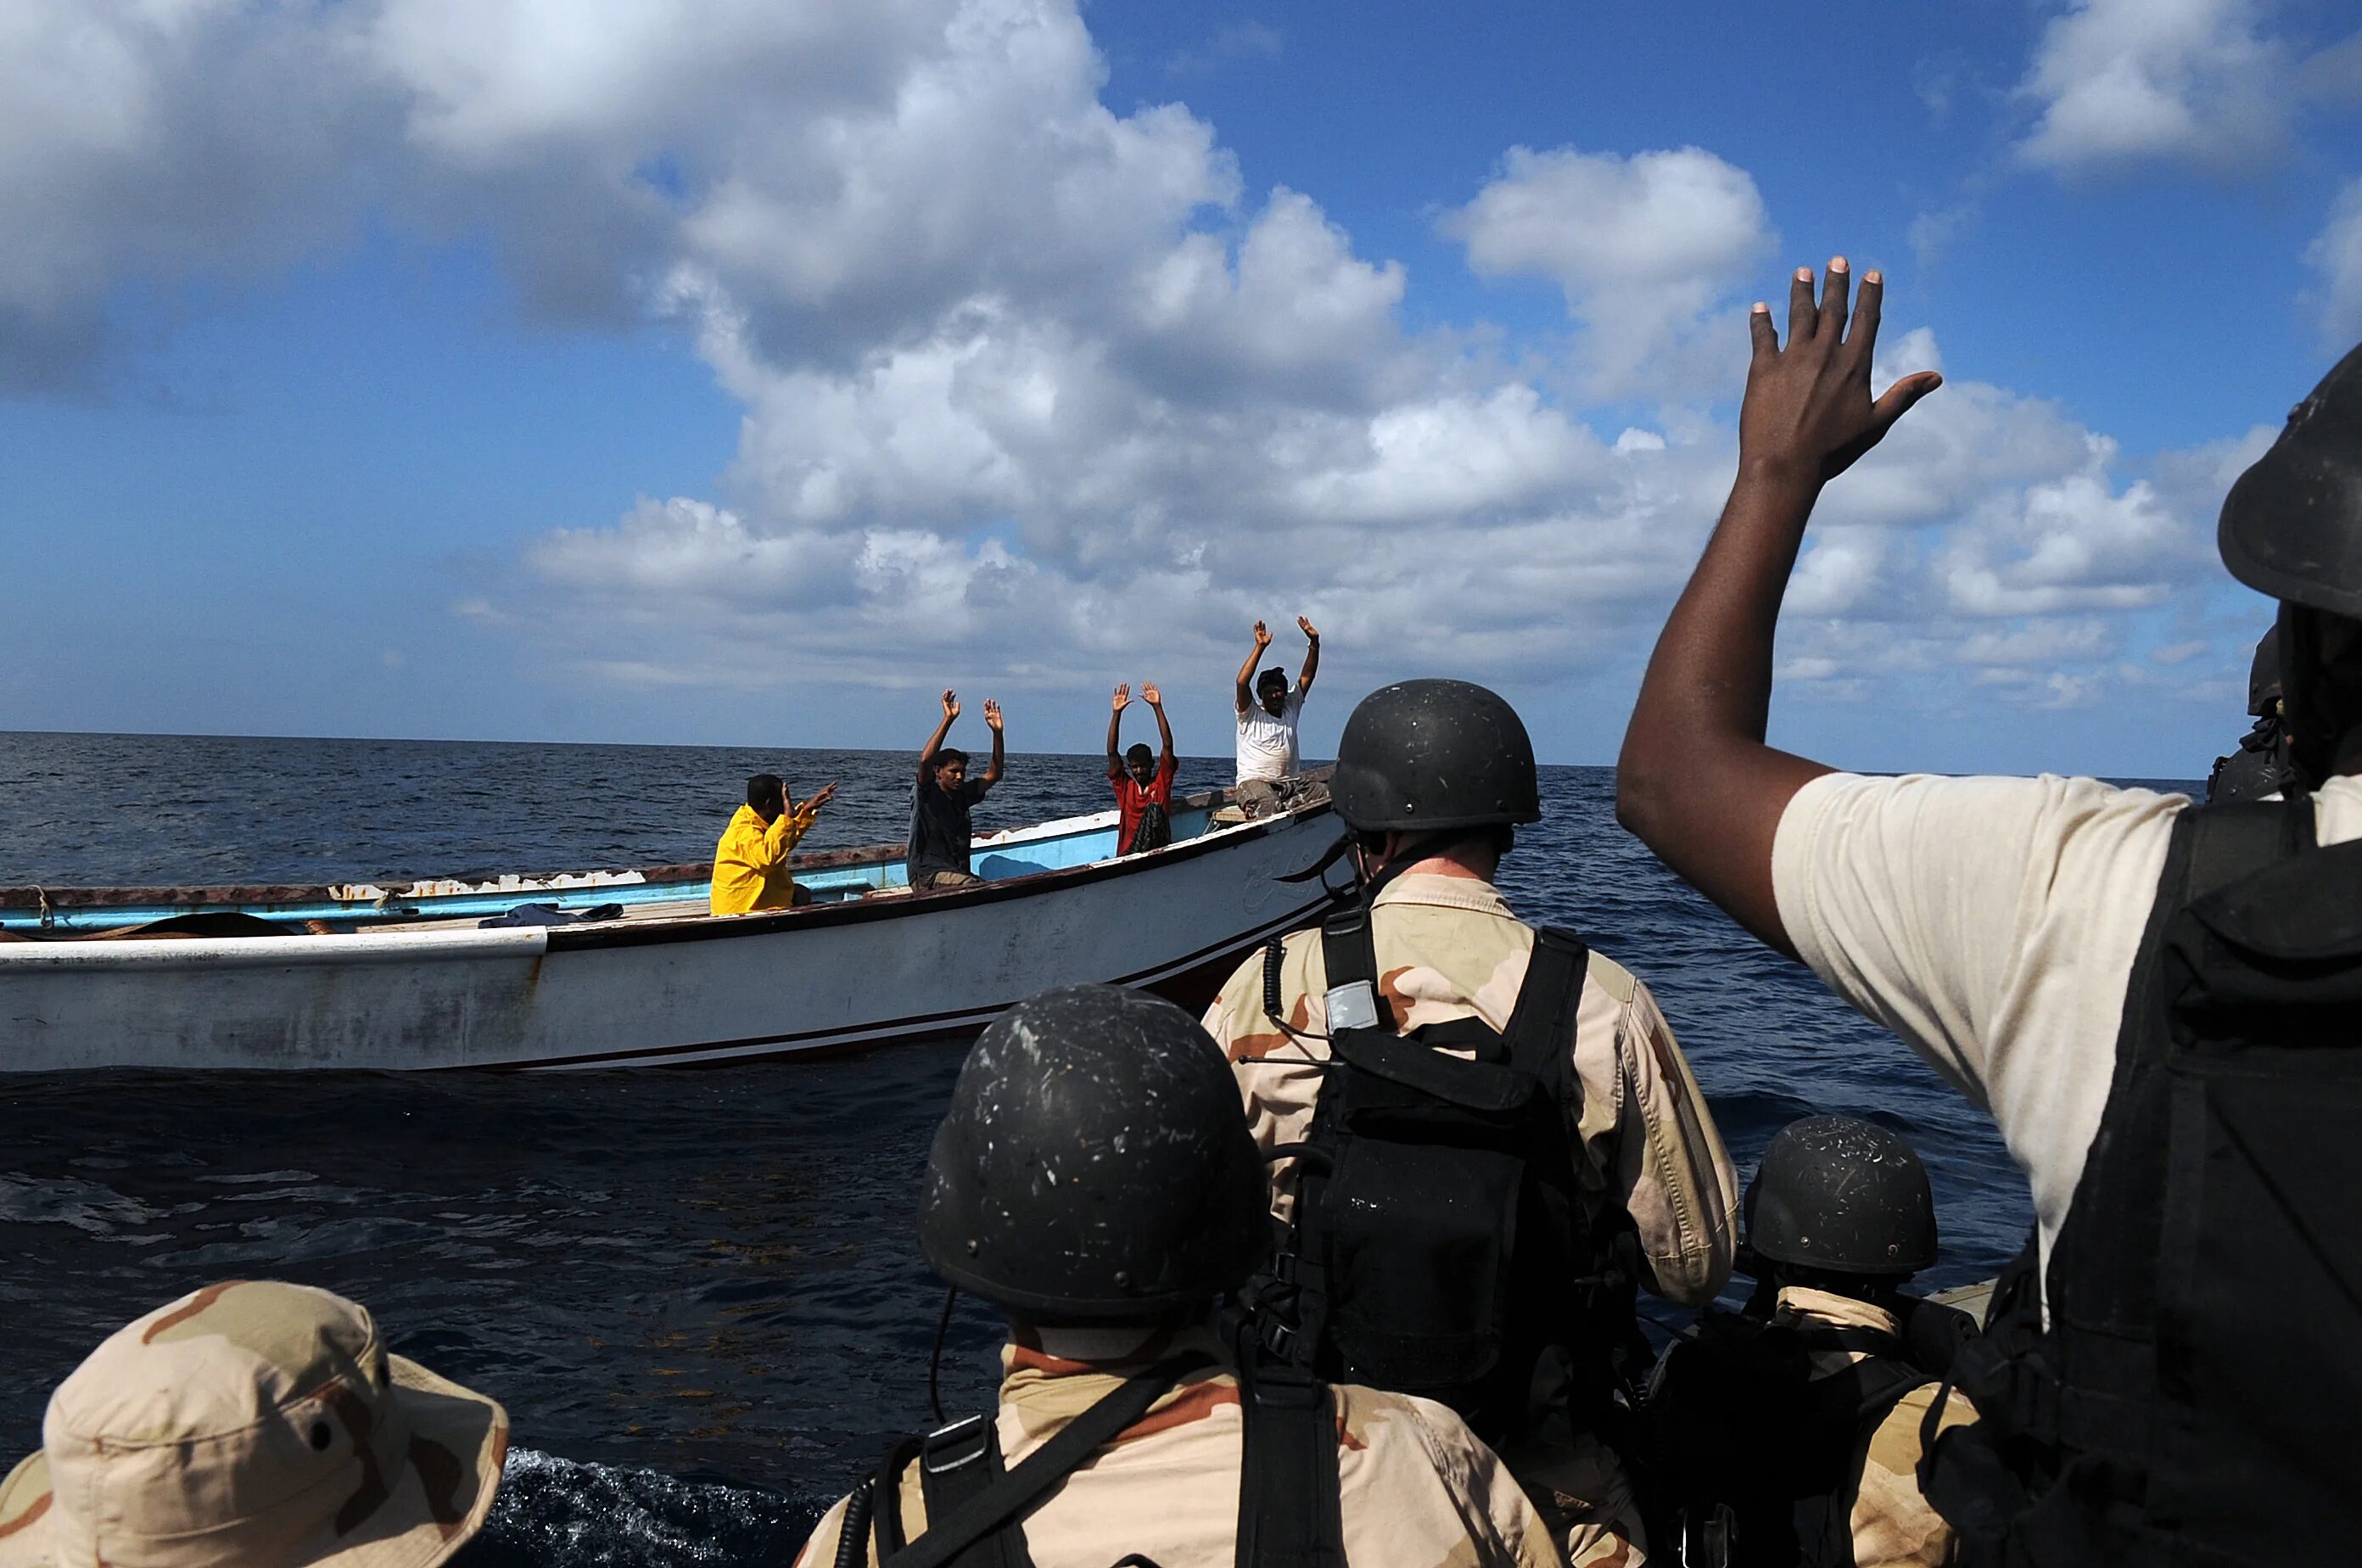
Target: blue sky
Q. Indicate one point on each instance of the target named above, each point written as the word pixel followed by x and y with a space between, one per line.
pixel 747 372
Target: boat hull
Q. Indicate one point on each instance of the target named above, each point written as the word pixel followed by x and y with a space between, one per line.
pixel 659 991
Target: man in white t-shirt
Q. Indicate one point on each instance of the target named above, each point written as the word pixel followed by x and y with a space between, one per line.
pixel 1994 924
pixel 1267 721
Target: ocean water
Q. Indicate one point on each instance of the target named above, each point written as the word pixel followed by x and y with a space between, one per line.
pixel 696 1290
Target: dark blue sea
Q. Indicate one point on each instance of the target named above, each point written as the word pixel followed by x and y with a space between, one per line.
pixel 696 1290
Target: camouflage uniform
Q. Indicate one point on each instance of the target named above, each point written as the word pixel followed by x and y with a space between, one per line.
pixel 255 1424
pixel 1893 1527
pixel 1419 1490
pixel 1448 947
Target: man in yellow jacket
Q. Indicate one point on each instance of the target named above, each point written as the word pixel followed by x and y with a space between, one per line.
pixel 750 863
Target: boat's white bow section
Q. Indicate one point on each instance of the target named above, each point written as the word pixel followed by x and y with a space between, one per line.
pixel 641 991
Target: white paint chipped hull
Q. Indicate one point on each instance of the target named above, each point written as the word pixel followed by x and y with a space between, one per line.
pixel 660 990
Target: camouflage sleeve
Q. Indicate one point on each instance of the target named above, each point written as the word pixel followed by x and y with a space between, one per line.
pixel 1672 1170
pixel 1501 1522
pixel 1895 1526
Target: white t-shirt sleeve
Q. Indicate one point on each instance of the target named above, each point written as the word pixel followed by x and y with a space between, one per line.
pixel 1992 924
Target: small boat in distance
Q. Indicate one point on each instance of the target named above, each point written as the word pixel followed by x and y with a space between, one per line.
pixel 369 977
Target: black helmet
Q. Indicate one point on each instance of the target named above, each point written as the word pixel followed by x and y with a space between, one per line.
pixel 2291 525
pixel 1095 1165
pixel 2264 675
pixel 1843 1195
pixel 1434 753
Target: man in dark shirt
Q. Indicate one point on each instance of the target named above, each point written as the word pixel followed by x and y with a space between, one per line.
pixel 939 803
pixel 1143 784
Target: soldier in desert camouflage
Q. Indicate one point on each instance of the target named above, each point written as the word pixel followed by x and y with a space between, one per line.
pixel 1612 1136
pixel 1792 1432
pixel 1094 1179
pixel 259 1424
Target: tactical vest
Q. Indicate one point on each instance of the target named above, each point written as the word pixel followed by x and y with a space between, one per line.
pixel 1758 1452
pixel 1440 1245
pixel 2197 1398
pixel 1290 1510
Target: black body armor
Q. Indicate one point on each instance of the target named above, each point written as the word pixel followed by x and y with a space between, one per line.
pixel 1440 1246
pixel 2194 1399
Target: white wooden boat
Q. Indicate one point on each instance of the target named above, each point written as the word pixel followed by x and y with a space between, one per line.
pixel 405 978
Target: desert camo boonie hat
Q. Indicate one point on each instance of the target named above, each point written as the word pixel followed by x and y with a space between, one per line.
pixel 254 1423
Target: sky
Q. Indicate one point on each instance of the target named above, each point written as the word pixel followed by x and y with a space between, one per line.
pixel 745 371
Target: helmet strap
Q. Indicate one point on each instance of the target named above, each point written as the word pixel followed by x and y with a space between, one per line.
pixel 935 1356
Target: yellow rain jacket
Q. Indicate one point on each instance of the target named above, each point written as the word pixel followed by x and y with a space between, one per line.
pixel 750 863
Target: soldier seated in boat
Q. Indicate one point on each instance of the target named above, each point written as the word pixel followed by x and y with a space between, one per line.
pixel 750 863
pixel 1491 1138
pixel 940 827
pixel 1267 751
pixel 1790 1434
pixel 2161 1003
pixel 259 1424
pixel 1142 779
pixel 1094 1181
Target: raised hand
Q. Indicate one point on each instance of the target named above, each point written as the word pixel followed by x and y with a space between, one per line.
pixel 992 713
pixel 950 705
pixel 1808 412
pixel 1123 697
pixel 1311 633
pixel 1150 695
pixel 827 793
pixel 1262 636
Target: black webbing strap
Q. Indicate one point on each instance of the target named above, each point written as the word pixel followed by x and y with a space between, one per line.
pixel 1348 952
pixel 1348 949
pixel 1290 1511
pixel 1016 1492
pixel 1544 1015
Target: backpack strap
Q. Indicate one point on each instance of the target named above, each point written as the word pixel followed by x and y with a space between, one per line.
pixel 1006 1498
pixel 957 1465
pixel 1291 1513
pixel 1539 1024
pixel 1348 952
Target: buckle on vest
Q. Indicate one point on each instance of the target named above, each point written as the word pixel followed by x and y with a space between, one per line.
pixel 949 1448
pixel 1707 1536
pixel 1277 1337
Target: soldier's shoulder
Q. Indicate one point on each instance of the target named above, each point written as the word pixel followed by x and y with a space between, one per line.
pixel 1613 978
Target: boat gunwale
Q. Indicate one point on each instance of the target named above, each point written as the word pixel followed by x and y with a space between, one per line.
pixel 853 912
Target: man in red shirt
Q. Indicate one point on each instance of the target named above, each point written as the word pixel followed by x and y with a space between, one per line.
pixel 1141 784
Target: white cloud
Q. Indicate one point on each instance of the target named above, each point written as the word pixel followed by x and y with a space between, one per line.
pixel 1027 383
pixel 1644 248
pixel 2337 254
pixel 2127 81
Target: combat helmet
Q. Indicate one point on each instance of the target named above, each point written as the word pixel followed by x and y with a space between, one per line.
pixel 1842 1195
pixel 2291 527
pixel 1428 755
pixel 1094 1166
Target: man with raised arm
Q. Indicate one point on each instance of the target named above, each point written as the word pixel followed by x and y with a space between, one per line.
pixel 2161 1003
pixel 940 828
pixel 1143 784
pixel 1268 710
pixel 750 863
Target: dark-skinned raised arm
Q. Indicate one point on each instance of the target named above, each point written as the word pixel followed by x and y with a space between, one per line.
pixel 1696 782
